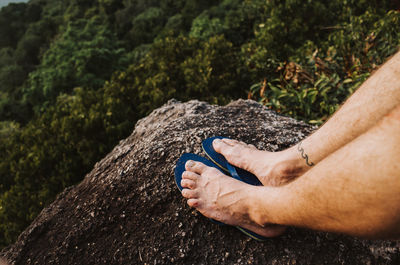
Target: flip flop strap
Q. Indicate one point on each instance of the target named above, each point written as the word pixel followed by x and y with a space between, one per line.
pixel 233 172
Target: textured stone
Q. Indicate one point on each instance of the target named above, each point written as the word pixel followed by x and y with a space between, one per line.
pixel 129 211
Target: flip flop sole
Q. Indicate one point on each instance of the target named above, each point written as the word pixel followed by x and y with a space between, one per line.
pixel 252 234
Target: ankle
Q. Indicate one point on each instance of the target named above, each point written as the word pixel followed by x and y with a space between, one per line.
pixel 289 166
pixel 262 203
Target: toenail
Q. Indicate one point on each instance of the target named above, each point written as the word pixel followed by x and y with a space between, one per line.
pixel 190 163
pixel 217 142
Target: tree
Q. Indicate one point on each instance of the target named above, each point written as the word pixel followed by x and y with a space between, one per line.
pixel 83 58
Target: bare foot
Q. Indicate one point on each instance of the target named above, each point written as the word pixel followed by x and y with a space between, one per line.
pixel 222 198
pixel 271 168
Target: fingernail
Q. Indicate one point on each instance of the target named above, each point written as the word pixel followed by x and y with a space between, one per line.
pixel 190 163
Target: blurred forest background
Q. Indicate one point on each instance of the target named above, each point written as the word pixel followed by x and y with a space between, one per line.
pixel 76 75
pixel 6 2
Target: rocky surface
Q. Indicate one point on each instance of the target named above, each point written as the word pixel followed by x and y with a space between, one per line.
pixel 129 211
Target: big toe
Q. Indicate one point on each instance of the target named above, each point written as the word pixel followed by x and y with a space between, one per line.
pixel 235 152
pixel 219 145
pixel 226 146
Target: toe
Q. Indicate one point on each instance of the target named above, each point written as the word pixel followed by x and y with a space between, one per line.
pixel 188 183
pixel 196 167
pixel 193 202
pixel 190 175
pixel 230 141
pixel 237 153
pixel 222 145
pixel 189 194
pixel 229 149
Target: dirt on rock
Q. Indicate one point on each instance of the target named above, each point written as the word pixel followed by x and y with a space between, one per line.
pixel 128 210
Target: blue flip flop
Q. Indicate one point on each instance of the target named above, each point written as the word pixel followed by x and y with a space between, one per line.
pixel 180 168
pixel 235 172
pixel 220 160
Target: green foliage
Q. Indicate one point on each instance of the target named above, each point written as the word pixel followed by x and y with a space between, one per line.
pixel 203 27
pixel 54 151
pixel 330 73
pixel 146 26
pixel 85 55
pixel 181 68
pixel 21 46
pixel 12 27
pixel 233 18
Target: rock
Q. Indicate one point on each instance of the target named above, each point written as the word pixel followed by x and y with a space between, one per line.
pixel 129 211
